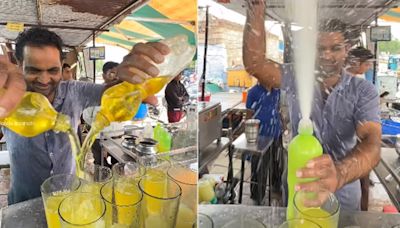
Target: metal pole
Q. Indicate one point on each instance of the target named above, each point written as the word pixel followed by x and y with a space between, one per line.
pixel 61 27
pixel 287 51
pixel 203 75
pixel 376 54
pixel 94 61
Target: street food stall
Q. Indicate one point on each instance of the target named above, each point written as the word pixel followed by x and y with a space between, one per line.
pixel 360 15
pixel 173 154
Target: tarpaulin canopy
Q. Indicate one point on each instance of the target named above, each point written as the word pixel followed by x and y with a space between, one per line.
pixel 154 21
pixel 73 20
pixel 392 15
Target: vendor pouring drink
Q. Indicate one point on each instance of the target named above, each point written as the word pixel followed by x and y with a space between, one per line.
pixel 39 56
pixel 345 108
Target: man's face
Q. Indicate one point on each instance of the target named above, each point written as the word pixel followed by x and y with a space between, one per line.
pixel 178 77
pixel 42 69
pixel 360 67
pixel 67 74
pixel 110 75
pixel 332 52
pixel 364 66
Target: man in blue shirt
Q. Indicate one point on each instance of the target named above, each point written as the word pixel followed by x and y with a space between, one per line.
pixel 265 107
pixel 345 108
pixel 39 56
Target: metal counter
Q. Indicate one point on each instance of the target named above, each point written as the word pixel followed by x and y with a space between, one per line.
pixel 28 214
pixel 388 172
pixel 274 216
pixel 228 100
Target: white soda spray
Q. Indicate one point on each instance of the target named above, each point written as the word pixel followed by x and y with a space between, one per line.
pixel 304 15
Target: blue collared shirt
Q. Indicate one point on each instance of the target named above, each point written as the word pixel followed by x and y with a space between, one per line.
pixel 33 160
pixel 353 101
pixel 265 105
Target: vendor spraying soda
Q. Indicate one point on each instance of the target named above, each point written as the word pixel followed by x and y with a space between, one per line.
pixel 344 110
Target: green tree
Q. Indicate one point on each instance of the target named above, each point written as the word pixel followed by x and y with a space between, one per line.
pixel 99 66
pixel 392 47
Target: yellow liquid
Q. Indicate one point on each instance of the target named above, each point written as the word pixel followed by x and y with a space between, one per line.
pixel 156 185
pixel 206 191
pixel 155 220
pixel 186 217
pixel 127 197
pixel 120 103
pixel 83 211
pixel 35 115
pixel 51 205
pixel 127 194
pixel 92 187
pixel 320 217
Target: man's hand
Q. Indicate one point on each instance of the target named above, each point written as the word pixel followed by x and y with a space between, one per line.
pixel 13 83
pixel 323 169
pixel 138 66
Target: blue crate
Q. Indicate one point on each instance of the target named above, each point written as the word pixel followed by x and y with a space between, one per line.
pixel 390 127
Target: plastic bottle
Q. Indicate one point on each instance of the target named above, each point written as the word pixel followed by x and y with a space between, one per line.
pixel 35 115
pixel 163 138
pixel 206 191
pixel 121 102
pixel 302 148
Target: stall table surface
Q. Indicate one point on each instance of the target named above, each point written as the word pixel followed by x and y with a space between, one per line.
pixel 274 216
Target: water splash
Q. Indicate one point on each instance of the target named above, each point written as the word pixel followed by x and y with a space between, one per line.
pixel 304 40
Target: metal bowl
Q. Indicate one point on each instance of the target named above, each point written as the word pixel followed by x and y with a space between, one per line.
pixel 147 147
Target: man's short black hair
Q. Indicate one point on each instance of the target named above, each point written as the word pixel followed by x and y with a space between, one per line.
pixel 361 54
pixel 350 33
pixel 66 65
pixel 37 37
pixel 108 66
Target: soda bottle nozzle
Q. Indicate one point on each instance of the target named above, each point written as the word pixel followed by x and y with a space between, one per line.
pixel 305 127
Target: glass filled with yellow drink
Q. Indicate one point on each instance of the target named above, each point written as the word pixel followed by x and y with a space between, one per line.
pixel 95 177
pixel 130 170
pixel 83 210
pixel 187 180
pixel 307 206
pixel 54 190
pixel 123 201
pixel 161 197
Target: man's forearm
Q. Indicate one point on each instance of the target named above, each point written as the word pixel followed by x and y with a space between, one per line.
pixel 364 157
pixel 254 38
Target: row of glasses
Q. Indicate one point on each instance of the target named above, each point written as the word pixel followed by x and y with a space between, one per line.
pixel 73 202
pixel 129 196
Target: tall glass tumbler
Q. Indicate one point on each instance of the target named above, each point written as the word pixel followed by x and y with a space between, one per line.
pixel 160 202
pixel 54 190
pixel 123 201
pixel 325 215
pixel 82 210
pixel 187 180
pixel 95 177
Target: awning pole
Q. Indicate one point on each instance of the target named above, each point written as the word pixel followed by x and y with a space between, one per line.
pixel 203 75
pixel 94 61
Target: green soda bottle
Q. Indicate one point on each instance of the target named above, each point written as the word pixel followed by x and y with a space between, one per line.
pixel 302 148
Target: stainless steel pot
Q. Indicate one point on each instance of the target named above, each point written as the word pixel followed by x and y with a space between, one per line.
pixel 147 147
